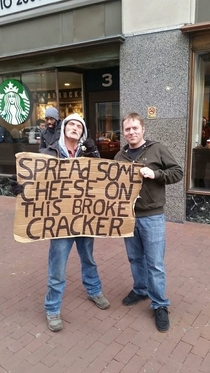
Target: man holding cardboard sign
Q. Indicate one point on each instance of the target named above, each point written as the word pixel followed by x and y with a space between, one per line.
pixel 146 249
pixel 73 143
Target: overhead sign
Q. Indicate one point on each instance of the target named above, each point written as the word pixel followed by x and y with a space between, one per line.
pixel 8 7
pixel 102 79
pixel 65 95
pixel 74 197
pixel 15 102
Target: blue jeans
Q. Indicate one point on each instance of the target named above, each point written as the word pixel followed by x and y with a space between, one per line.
pixel 58 257
pixel 145 253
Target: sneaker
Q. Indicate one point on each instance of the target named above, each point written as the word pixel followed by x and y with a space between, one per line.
pixel 162 320
pixel 133 298
pixel 100 301
pixel 54 322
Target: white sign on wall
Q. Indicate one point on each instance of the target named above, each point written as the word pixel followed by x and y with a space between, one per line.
pixel 8 7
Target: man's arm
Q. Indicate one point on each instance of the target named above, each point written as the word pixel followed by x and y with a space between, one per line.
pixel 171 171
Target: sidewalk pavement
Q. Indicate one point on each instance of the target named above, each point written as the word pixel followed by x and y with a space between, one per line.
pixel 120 339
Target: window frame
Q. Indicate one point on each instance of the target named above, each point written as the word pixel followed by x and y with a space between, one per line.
pixel 199 44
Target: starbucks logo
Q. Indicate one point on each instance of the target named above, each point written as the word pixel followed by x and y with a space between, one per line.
pixel 15 103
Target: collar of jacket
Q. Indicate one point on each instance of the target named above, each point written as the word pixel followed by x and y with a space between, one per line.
pixel 145 145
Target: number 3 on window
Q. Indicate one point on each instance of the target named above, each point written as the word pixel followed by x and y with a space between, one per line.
pixel 107 80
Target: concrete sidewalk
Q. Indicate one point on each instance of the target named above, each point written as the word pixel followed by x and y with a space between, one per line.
pixel 120 339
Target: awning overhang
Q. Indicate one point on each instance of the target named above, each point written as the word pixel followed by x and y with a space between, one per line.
pixel 195 27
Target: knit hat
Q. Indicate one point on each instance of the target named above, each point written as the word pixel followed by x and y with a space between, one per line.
pixel 74 116
pixel 70 117
pixel 52 112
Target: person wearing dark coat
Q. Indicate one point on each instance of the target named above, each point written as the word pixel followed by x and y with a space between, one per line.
pixel 146 249
pixel 53 127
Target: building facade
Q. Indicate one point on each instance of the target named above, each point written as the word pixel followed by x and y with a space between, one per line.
pixel 104 59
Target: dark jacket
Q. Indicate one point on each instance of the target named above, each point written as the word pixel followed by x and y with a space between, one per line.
pixel 5 135
pixel 55 150
pixel 49 136
pixel 167 171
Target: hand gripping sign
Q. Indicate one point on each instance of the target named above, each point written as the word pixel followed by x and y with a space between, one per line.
pixel 74 197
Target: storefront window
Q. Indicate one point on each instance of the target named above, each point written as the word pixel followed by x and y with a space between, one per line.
pixel 200 170
pixel 62 90
pixel 70 93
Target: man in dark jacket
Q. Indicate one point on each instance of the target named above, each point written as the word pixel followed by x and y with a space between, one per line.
pixel 52 131
pixel 72 143
pixel 146 249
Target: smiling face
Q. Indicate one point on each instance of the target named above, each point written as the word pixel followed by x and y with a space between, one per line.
pixel 133 132
pixel 73 130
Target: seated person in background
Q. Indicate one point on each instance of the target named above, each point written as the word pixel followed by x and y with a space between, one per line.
pixel 205 132
pixel 35 134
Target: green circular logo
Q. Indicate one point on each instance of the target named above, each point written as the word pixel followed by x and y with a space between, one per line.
pixel 15 102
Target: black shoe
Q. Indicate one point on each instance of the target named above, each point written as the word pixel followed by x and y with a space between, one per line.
pixel 133 298
pixel 162 320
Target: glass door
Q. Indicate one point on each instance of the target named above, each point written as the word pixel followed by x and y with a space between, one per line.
pixel 104 122
pixel 107 128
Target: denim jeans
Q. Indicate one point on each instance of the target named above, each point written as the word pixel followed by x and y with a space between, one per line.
pixel 58 257
pixel 145 253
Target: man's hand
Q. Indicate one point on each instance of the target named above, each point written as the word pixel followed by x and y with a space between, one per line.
pixel 15 187
pixel 89 145
pixel 147 173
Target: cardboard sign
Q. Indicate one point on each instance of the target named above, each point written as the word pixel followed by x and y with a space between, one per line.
pixel 74 197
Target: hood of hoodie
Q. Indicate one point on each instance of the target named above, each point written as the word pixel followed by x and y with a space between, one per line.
pixel 61 141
